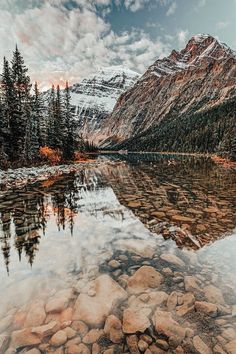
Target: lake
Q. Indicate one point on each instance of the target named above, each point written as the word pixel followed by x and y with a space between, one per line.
pixel 137 254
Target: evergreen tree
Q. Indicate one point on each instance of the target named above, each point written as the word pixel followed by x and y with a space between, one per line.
pixel 8 109
pixel 69 144
pixel 51 119
pixel 19 122
pixel 38 111
pixel 59 121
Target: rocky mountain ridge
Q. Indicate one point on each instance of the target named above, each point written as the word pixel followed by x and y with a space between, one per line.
pixel 95 97
pixel 197 79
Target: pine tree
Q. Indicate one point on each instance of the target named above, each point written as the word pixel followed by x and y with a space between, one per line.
pixel 51 119
pixel 59 121
pixel 19 122
pixel 38 111
pixel 69 144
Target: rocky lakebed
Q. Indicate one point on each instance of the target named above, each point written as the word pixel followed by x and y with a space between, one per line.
pixel 133 255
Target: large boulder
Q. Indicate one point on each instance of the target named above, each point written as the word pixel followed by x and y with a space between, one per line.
pixel 144 278
pixel 167 326
pixel 93 310
pixel 136 320
pixel 36 314
pixel 24 338
pixel 213 295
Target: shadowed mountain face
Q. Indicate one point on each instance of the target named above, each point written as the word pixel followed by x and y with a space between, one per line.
pixel 190 200
pixel 175 104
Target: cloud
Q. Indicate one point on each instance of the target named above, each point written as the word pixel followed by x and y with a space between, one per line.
pixel 135 5
pixel 59 44
pixel 221 25
pixel 171 10
pixel 182 37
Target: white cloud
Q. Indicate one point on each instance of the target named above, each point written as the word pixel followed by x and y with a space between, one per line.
pixel 221 25
pixel 135 5
pixel 61 44
pixel 182 37
pixel 171 10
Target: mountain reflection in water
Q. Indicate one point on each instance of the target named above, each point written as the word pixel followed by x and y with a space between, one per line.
pixel 191 200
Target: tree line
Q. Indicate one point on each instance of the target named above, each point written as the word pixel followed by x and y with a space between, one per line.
pixel 27 124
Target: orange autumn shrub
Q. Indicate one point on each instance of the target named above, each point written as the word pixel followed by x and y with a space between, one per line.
pixel 50 155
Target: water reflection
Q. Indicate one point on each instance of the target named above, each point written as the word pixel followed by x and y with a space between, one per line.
pixel 73 247
pixel 191 200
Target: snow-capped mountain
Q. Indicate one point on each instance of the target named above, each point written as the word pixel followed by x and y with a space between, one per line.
pixel 165 100
pixel 95 97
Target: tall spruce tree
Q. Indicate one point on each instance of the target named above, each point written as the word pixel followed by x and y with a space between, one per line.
pixel 19 123
pixel 51 118
pixel 59 121
pixel 69 144
pixel 39 112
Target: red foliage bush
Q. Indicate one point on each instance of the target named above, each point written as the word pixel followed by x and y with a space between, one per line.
pixel 50 155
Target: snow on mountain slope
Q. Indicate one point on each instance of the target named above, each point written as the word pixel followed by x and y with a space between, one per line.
pixel 195 79
pixel 95 97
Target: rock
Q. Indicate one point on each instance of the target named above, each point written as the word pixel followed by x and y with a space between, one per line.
pixel 182 219
pixel 158 214
pixel 155 350
pixel 94 310
pixel 36 314
pixel 172 301
pixel 33 351
pixel 93 336
pixel 161 343
pixel 80 327
pixel 132 342
pixel 70 332
pixel 113 328
pixel 207 308
pixel 4 340
pixel 213 295
pixel 59 338
pixel 73 341
pixel 201 346
pixel 136 320
pixel 66 315
pixel 134 204
pixel 144 278
pixel 46 330
pixel 188 300
pixel 229 334
pixel 24 338
pixel 166 325
pixel 96 349
pixel 114 264
pixel 143 248
pixel 218 349
pixel 231 347
pixel 172 259
pixel 146 338
pixel 72 349
pixel 83 349
pixel 142 345
pixel 191 283
pixel 56 304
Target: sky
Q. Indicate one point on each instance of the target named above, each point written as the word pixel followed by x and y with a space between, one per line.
pixel 71 39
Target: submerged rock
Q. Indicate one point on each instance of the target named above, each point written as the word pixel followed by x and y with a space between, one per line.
pixel 166 325
pixel 94 310
pixel 172 259
pixel 24 338
pixel 201 346
pixel 113 328
pixel 144 278
pixel 136 320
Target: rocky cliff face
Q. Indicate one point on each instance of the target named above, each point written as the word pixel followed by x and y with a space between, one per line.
pixel 95 97
pixel 195 80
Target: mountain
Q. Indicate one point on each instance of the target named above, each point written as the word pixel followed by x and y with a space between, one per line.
pixel 95 97
pixel 184 102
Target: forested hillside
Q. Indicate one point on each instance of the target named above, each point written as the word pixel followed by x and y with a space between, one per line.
pixel 211 131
